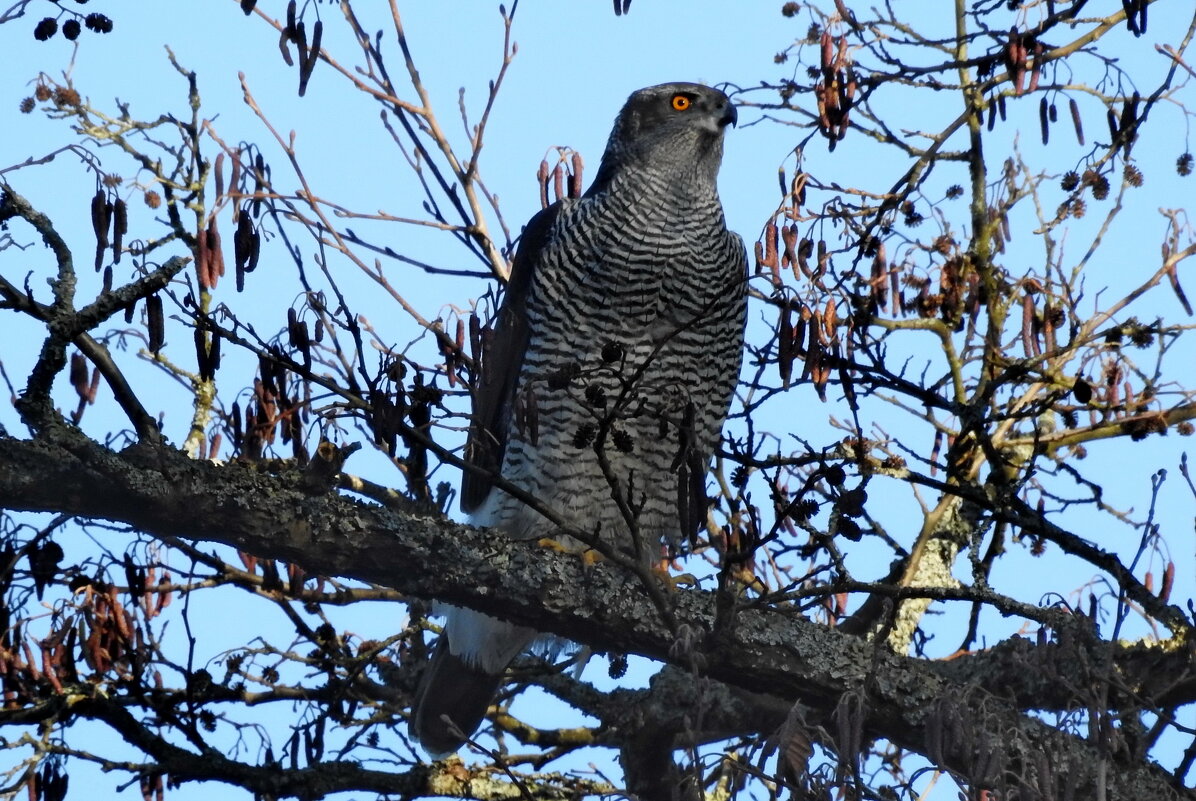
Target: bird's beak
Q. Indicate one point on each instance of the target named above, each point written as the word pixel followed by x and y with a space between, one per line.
pixel 730 116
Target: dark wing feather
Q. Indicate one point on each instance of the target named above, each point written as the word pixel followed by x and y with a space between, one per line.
pixel 502 359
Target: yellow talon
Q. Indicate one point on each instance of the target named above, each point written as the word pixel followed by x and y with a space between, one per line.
pixel 589 557
pixel 671 582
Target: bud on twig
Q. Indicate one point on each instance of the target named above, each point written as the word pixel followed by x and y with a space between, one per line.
pixel 797 193
pixel 234 184
pixel 805 250
pixel 1173 278
pixel 830 321
pixel 234 419
pixel 202 269
pixel 1029 338
pixel 93 387
pixel 475 340
pixel 878 285
pixel 1036 72
pixel 1015 60
pixel 813 347
pixel 78 374
pixel 201 355
pixel 1131 16
pixel 309 58
pixel 284 40
pixel 1075 119
pixel 785 346
pixel 215 252
pixel 155 324
pixel 542 178
pixel 120 227
pixel 789 238
pixel 260 177
pixel 575 175
pixel 100 213
pixel 558 182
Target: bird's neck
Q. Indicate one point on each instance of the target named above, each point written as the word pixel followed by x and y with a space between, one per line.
pixel 683 189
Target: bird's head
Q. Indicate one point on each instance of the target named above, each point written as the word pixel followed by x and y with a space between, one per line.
pixel 671 126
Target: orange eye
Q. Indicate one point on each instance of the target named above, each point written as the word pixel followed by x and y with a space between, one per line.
pixel 680 102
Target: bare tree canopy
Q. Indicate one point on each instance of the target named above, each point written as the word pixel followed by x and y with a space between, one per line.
pixel 949 545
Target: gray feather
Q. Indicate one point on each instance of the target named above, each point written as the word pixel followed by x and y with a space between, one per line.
pixel 622 324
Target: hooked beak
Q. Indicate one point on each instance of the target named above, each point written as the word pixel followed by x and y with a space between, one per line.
pixel 729 117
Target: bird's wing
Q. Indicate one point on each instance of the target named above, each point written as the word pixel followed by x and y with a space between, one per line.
pixel 692 464
pixel 502 359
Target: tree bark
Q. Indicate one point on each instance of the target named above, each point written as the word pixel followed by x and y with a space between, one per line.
pixel 938 709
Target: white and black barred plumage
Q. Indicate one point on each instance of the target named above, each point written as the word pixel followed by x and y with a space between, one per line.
pixel 621 328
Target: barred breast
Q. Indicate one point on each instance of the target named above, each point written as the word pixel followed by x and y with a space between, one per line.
pixel 637 309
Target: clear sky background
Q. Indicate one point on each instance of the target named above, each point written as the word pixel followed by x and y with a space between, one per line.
pixel 576 64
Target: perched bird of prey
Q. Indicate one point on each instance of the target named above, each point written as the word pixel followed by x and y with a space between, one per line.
pixel 620 334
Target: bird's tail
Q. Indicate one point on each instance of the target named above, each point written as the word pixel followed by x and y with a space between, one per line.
pixel 452 700
pixel 460 682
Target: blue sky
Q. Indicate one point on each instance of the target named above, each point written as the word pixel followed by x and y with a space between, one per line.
pixel 576 64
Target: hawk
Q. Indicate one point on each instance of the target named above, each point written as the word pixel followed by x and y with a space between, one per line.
pixel 605 383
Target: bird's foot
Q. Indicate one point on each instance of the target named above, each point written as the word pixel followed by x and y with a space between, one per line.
pixel 589 557
pixel 673 583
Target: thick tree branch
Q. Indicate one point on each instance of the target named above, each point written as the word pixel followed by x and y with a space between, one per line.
pixel 451 780
pixel 162 492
